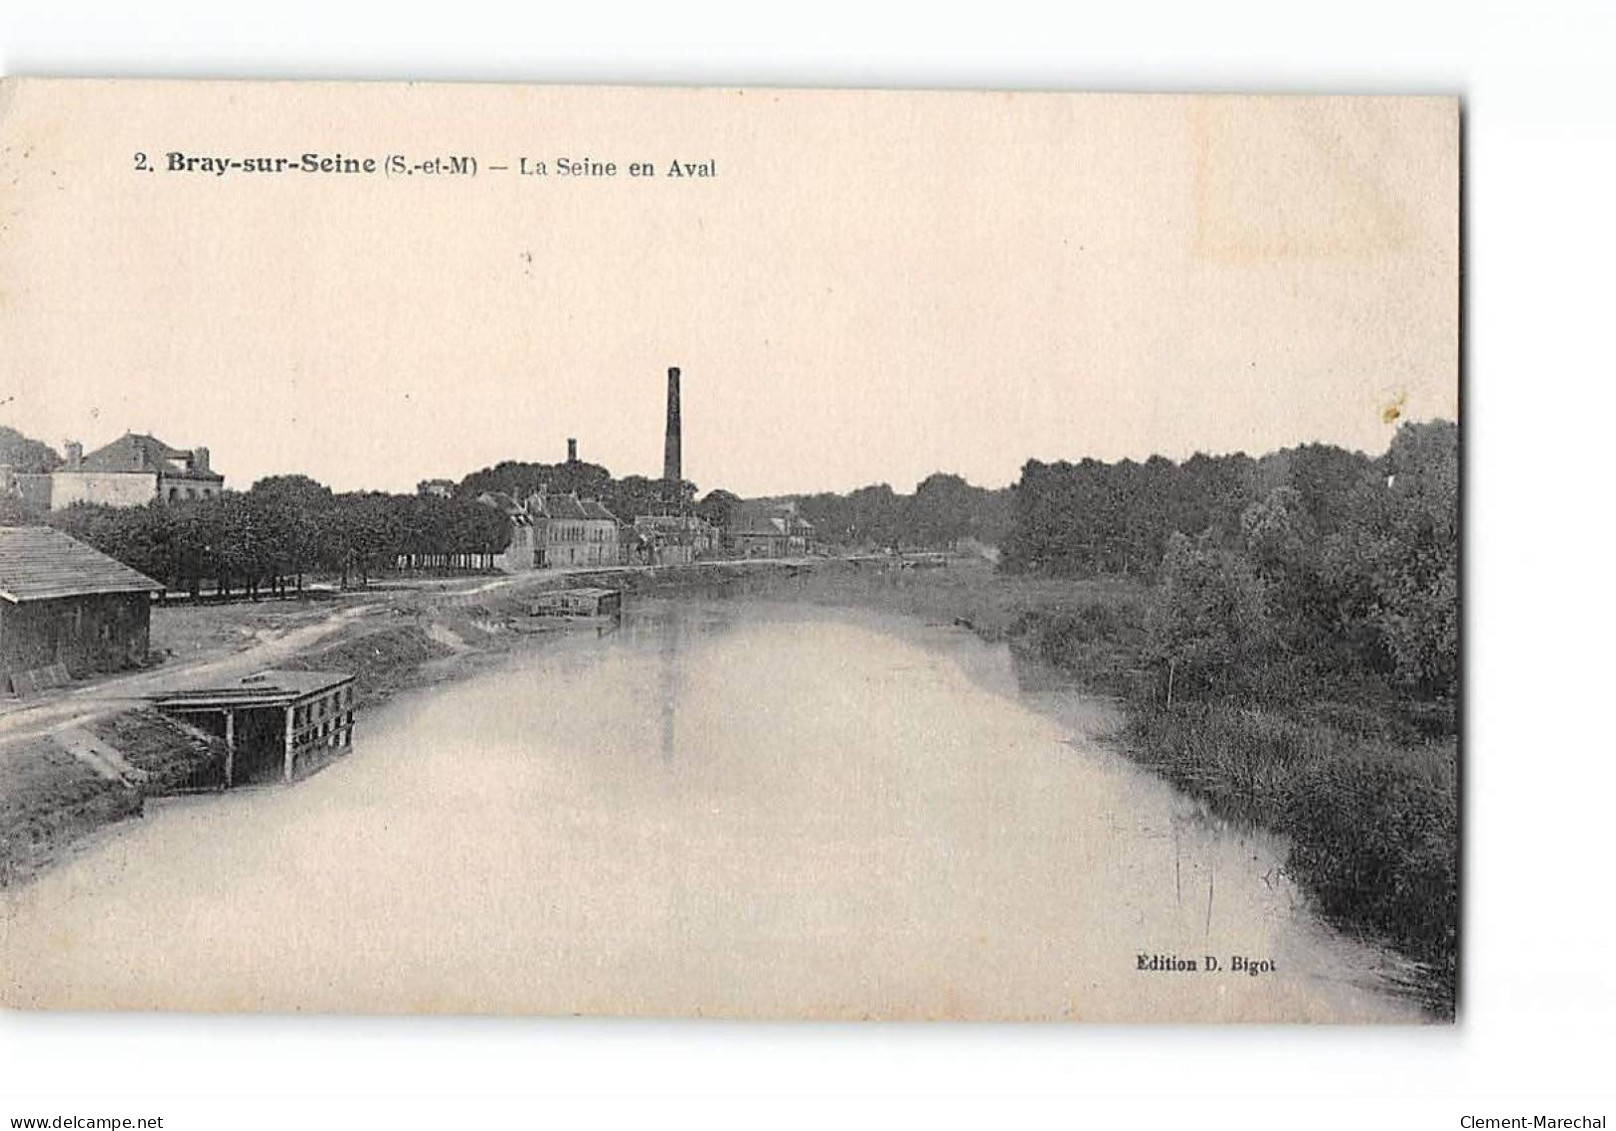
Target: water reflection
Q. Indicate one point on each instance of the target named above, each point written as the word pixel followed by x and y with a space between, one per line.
pixel 727 807
pixel 668 685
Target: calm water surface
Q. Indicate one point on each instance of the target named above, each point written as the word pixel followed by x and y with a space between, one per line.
pixel 724 808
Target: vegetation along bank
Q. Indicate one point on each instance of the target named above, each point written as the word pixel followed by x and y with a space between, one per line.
pixel 1283 633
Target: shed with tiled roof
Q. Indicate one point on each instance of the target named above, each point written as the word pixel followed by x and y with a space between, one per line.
pixel 66 604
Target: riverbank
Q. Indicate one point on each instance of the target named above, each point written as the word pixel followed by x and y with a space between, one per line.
pixel 1368 803
pixel 732 807
pixel 90 756
pixel 1366 796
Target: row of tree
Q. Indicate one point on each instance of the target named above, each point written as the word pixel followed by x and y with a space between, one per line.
pixel 943 510
pixel 626 498
pixel 284 528
pixel 1082 519
pixel 1311 563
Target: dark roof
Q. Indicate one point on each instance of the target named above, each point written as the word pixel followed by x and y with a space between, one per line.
pixel 593 509
pixel 38 563
pixel 262 689
pixel 768 518
pixel 671 522
pixel 755 524
pixel 563 506
pixel 136 452
pixel 758 520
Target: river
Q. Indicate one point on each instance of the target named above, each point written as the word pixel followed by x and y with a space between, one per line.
pixel 723 808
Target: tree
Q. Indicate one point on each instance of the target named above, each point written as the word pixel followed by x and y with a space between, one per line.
pixel 939 514
pixel 634 495
pixel 1207 620
pixel 292 507
pixel 25 454
pixel 361 534
pixel 1279 535
pixel 717 507
pixel 1412 554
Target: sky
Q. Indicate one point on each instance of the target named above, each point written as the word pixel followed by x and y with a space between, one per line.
pixel 873 287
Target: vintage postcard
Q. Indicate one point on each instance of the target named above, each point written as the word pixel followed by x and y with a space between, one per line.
pixel 804 554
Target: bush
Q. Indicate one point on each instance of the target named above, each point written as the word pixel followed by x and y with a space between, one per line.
pixel 1374 827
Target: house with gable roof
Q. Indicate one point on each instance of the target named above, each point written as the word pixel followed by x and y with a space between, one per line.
pixel 131 471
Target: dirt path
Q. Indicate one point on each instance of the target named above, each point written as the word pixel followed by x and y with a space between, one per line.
pixel 76 706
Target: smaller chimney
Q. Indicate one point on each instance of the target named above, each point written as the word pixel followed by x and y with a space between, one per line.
pixel 75 454
pixel 199 459
pixel 572 450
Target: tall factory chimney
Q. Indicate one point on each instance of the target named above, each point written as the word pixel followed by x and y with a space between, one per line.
pixel 572 450
pixel 672 464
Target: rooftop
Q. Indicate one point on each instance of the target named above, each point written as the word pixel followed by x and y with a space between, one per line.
pixel 39 563
pixel 137 452
pixel 261 689
pixel 562 506
pixel 769 520
pixel 671 522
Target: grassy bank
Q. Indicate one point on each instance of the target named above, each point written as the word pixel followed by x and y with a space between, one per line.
pixel 1373 825
pixel 51 796
pixel 1367 797
pixel 57 788
pixel 1355 780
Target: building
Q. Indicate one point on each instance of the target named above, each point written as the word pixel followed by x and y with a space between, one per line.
pixel 672 539
pixel 68 607
pixel 129 472
pixel 773 530
pixel 440 488
pixel 602 528
pixel 554 529
pixel 573 531
pixel 523 551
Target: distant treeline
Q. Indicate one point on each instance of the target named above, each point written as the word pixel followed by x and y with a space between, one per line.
pixel 626 498
pixel 943 510
pixel 1292 657
pixel 1272 573
pixel 288 526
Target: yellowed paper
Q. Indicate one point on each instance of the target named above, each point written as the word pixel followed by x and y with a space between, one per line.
pixel 953 761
